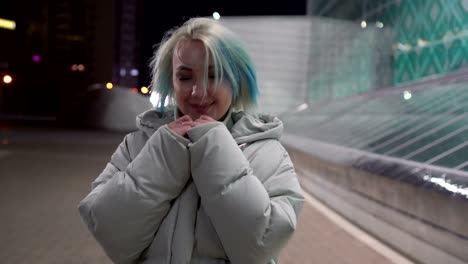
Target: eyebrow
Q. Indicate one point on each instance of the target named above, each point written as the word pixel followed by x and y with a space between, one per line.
pixel 186 67
pixel 183 67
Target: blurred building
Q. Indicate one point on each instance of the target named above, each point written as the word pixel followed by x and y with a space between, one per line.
pixel 96 42
pixel 61 47
pixel 126 59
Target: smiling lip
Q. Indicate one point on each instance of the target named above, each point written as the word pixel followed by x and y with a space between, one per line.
pixel 201 109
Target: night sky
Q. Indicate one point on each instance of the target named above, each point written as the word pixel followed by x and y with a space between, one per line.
pixel 7 9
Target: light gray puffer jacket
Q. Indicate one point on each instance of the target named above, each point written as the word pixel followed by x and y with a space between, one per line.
pixel 218 197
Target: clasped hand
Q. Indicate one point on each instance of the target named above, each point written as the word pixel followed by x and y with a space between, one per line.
pixel 183 124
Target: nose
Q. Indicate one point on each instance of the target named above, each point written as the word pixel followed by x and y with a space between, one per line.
pixel 197 90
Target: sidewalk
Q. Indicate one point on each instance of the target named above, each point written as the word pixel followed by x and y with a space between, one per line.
pixel 319 240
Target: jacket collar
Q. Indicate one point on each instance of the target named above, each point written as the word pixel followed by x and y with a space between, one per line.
pixel 245 127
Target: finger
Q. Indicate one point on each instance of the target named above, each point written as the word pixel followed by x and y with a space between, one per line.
pixel 200 122
pixel 200 118
pixel 184 118
pixel 179 123
pixel 182 130
pixel 187 124
pixel 187 118
pixel 207 118
pixel 196 123
pixel 172 125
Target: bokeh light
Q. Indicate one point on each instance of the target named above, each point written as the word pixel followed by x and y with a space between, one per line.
pixel 144 90
pixel 407 95
pixel 7 79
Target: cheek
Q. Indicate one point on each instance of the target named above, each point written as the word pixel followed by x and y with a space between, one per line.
pixel 225 96
pixel 181 98
pixel 180 92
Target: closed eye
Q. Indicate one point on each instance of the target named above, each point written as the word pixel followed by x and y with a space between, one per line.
pixel 184 78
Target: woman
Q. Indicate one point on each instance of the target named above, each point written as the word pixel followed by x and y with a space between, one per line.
pixel 204 182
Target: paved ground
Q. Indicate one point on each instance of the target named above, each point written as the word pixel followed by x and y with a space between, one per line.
pixel 42 183
pixel 319 240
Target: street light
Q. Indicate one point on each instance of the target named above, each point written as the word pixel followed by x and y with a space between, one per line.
pixel 7 79
pixel 7 24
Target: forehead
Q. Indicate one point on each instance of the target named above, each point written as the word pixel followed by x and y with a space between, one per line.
pixel 189 53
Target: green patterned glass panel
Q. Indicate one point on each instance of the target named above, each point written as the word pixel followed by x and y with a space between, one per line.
pixel 416 39
pixel 434 34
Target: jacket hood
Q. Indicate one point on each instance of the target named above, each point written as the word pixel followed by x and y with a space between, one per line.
pixel 248 127
pixel 150 120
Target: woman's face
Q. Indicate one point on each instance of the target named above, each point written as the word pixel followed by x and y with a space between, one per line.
pixel 188 73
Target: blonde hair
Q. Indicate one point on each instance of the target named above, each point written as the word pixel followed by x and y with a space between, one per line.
pixel 231 62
